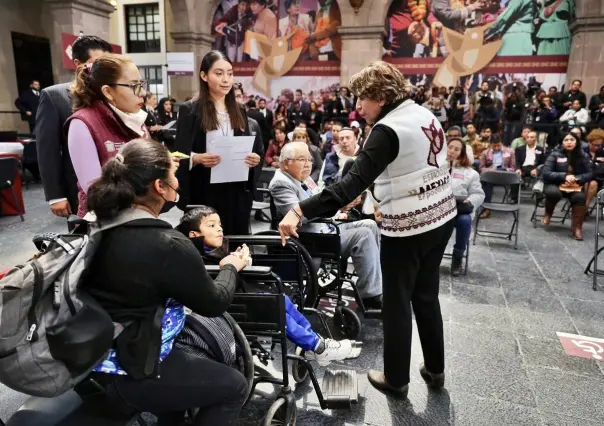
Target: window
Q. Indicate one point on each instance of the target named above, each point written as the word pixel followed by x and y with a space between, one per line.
pixel 142 28
pixel 153 75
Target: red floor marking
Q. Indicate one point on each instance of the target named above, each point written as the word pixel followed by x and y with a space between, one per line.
pixel 582 346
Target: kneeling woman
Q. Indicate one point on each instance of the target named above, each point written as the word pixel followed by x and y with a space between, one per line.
pixel 144 273
pixel 204 228
pixel 565 173
pixel 465 183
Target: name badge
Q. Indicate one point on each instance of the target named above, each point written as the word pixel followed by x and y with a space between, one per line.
pixel 561 160
pixel 506 155
pixel 538 119
pixel 538 151
pixel 458 176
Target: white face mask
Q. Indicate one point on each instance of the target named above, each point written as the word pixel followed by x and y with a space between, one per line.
pixel 135 121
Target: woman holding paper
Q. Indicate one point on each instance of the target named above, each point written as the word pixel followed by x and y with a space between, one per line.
pixel 214 115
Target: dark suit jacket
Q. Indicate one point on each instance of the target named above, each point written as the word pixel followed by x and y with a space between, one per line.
pixel 57 172
pixel 521 156
pixel 28 102
pixel 265 129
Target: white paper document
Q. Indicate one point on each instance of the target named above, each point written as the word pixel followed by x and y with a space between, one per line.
pixel 232 151
pixel 169 125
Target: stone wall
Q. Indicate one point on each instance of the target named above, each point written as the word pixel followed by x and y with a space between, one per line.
pixel 586 60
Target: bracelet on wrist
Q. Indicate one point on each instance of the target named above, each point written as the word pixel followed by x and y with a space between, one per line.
pixel 297 214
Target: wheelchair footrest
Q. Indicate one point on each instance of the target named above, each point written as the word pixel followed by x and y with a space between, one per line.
pixel 340 388
pixel 373 314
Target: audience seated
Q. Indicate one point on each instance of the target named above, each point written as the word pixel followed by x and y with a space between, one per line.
pixel 465 183
pixel 144 271
pixel 577 116
pixel 471 135
pixel 595 153
pixel 359 240
pixel 481 144
pixel 202 226
pixel 271 158
pixel 565 172
pixel 528 158
pixel 497 157
pixel 455 132
pixel 521 141
pixel 346 148
pixel 300 135
pixel 331 138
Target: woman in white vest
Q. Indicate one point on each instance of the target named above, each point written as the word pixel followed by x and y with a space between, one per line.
pixel 405 155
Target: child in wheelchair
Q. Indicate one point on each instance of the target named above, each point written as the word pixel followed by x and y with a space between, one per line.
pixel 202 225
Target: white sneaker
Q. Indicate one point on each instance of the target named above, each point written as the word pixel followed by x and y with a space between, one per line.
pixel 334 351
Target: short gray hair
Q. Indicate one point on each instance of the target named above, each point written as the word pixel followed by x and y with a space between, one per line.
pixel 289 151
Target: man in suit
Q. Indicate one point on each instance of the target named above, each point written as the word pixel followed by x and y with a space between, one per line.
pixel 58 176
pixel 268 119
pixel 497 157
pixel 359 240
pixel 28 103
pixel 304 105
pixel 528 158
pixel 252 112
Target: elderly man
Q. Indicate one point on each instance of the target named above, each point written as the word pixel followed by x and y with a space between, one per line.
pixel 333 165
pixel 359 240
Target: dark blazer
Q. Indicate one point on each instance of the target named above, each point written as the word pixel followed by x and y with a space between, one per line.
pixel 265 128
pixel 163 118
pixel 317 120
pixel 28 102
pixel 521 156
pixel 556 168
pixel 269 121
pixel 190 137
pixel 333 108
pixel 136 268
pixel 58 176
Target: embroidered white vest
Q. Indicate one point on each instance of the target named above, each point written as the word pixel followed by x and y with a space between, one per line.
pixel 414 192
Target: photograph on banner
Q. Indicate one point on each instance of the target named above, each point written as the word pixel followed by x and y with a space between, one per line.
pixel 420 28
pixel 310 25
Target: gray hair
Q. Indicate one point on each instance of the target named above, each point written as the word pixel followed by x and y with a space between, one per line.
pixel 288 151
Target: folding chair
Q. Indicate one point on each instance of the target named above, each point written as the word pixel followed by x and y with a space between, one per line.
pixel 466 257
pixel 500 178
pixel 9 169
pixel 592 266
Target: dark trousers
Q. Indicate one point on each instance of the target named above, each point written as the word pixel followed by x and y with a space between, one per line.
pixel 186 381
pixel 410 276
pixel 463 228
pixel 488 191
pixel 552 193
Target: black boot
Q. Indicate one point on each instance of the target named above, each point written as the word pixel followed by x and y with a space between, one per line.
pixel 456 262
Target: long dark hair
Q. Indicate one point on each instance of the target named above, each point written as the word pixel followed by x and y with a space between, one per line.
pixel 128 176
pixel 209 115
pixel 574 156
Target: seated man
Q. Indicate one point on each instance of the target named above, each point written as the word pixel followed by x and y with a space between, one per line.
pixel 333 165
pixel 528 158
pixel 359 240
pixel 497 157
pixel 202 225
pixel 521 141
pixel 481 144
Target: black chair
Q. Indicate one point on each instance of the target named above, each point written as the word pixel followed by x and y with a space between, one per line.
pixel 29 161
pixel 9 170
pixel 506 179
pixel 10 136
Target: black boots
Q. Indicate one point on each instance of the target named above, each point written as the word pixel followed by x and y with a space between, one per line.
pixel 456 262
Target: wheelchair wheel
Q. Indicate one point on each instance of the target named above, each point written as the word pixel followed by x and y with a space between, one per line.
pixel 277 413
pixel 347 323
pixel 248 358
pixel 299 369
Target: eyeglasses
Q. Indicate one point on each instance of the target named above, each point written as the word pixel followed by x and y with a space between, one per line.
pixel 302 160
pixel 137 88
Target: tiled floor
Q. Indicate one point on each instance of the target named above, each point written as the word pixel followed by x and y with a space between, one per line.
pixel 505 365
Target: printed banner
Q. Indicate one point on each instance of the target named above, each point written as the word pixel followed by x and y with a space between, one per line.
pixel 66 42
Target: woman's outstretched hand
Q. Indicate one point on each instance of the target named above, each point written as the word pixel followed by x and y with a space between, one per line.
pixel 289 225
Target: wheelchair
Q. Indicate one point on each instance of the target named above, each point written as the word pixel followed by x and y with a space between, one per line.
pixel 333 270
pixel 261 316
pixel 87 403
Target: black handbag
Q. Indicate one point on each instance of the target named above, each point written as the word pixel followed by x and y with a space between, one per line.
pixel 464 208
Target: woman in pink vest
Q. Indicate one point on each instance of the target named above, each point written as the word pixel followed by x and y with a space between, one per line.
pixel 108 100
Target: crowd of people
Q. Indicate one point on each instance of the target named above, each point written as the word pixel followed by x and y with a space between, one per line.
pixel 400 167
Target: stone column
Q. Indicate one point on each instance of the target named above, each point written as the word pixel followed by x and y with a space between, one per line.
pixel 182 87
pixel 73 16
pixel 586 60
pixel 360 46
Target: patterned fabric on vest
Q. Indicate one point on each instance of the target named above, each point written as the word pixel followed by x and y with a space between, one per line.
pixel 109 134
